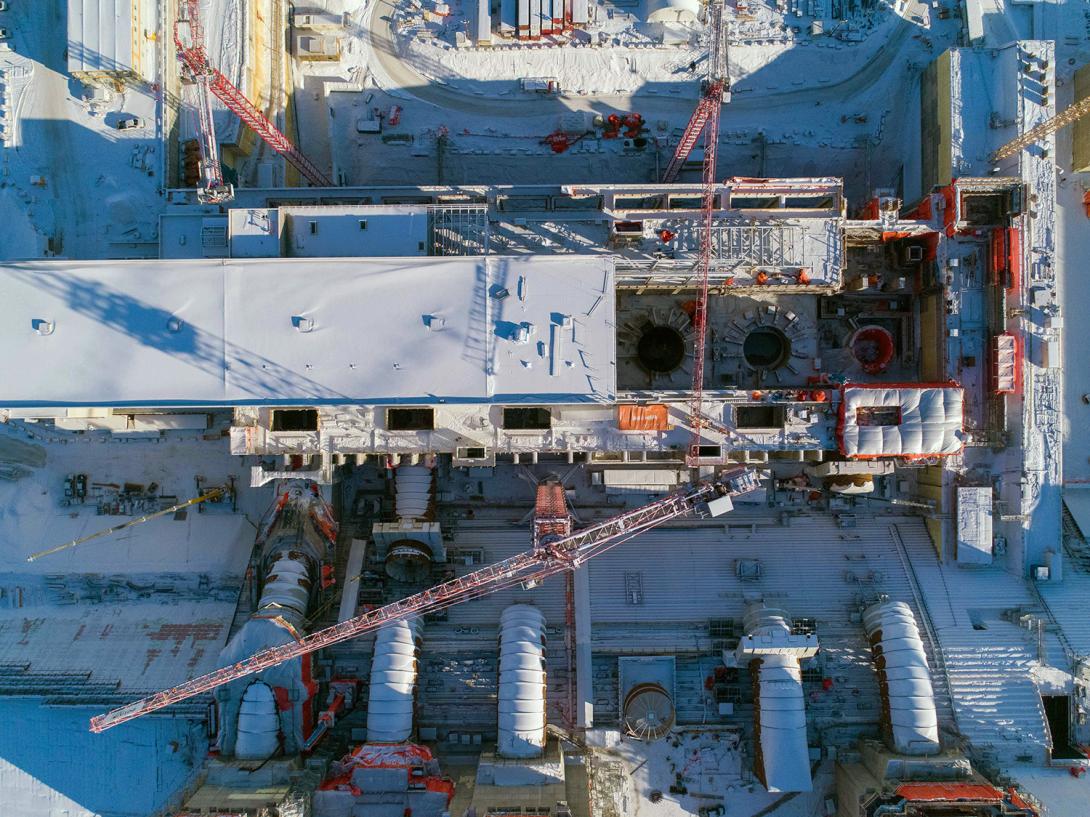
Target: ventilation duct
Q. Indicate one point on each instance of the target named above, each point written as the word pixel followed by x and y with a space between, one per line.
pixel 773 651
pixel 258 724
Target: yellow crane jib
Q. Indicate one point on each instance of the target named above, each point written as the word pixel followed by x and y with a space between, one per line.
pixel 212 494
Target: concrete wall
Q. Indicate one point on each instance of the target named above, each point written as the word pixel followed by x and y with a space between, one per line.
pixel 929 486
pixel 935 125
pixel 1080 142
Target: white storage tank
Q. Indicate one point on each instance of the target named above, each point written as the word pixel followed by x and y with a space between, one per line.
pixel 392 698
pixel 686 12
pixel 521 682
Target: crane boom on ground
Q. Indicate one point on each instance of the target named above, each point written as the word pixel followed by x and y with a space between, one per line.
pixel 1065 117
pixel 189 38
pixel 213 494
pixel 529 568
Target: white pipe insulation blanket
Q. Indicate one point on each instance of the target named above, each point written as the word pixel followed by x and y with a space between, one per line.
pixel 782 724
pixel 901 420
pixel 413 495
pixel 522 682
pixel 904 677
pixel 392 696
pixel 258 723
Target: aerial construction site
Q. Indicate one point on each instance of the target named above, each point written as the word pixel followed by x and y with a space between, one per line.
pixel 544 408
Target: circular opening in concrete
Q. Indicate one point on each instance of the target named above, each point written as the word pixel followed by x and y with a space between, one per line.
pixel 661 349
pixel 408 561
pixel 766 348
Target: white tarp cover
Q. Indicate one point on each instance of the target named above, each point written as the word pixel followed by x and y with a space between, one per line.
pixel 214 332
pixel 974 525
pixel 904 677
pixel 522 682
pixel 100 35
pixel 415 485
pixel 782 718
pixel 930 422
pixel 392 694
pixel 258 724
pixel 673 11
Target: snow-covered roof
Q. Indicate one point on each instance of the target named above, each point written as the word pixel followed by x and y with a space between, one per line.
pixel 326 232
pixel 900 420
pixel 316 331
pixel 905 678
pixel 100 35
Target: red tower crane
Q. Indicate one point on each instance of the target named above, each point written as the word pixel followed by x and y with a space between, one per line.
pixel 705 119
pixel 189 38
pixel 715 86
pixel 553 555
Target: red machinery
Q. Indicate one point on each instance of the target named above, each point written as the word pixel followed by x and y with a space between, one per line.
pixel 553 555
pixel 189 37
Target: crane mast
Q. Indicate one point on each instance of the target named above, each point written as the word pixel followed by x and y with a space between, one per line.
pixel 705 119
pixel 715 86
pixel 553 555
pixel 189 38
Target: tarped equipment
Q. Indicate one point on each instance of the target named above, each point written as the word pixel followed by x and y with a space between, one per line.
pixel 901 420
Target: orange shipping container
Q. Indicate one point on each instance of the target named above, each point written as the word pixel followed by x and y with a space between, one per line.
pixel 653 417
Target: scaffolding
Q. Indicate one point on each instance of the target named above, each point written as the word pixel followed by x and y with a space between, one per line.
pixel 458 229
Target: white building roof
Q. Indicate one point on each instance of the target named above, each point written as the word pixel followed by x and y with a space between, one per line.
pixel 900 421
pixel 101 35
pixel 316 331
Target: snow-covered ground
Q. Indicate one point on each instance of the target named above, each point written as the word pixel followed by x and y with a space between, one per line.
pixel 52 766
pixel 86 188
pixel 859 127
pixel 117 617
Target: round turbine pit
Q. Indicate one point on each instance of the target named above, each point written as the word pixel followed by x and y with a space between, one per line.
pixel 766 347
pixel 873 347
pixel 408 561
pixel 648 712
pixel 660 349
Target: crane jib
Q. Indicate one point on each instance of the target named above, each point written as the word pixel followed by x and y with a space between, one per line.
pixel 581 545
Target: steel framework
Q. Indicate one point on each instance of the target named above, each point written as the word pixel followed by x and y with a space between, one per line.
pixel 192 53
pixel 553 555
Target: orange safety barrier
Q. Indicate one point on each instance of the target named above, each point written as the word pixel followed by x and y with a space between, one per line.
pixel 652 417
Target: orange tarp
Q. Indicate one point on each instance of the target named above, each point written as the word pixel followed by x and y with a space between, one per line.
pixel 653 417
pixel 948 791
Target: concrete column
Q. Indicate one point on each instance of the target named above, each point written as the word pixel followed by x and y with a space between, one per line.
pixel 584 670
